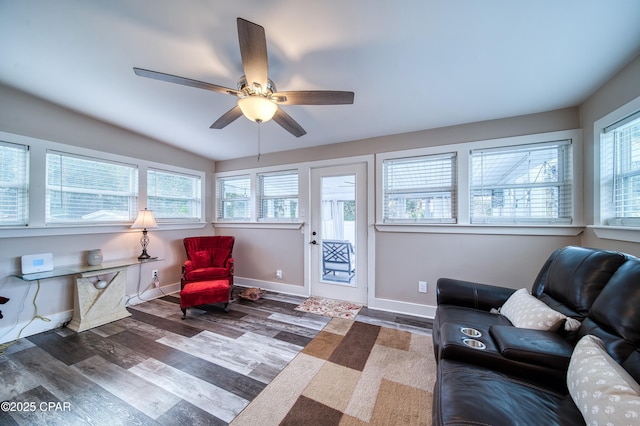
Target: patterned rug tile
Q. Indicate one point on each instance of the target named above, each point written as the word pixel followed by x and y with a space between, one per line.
pixel 329 307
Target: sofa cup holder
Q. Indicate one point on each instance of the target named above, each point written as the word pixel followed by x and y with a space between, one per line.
pixel 475 344
pixel 470 332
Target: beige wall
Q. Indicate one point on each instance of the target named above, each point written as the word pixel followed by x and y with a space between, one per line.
pixel 28 116
pixel 258 253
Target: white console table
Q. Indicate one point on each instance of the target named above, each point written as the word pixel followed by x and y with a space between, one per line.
pixel 93 306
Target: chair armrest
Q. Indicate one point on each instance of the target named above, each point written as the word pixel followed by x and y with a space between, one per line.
pixel 469 294
pixel 187 266
pixel 538 347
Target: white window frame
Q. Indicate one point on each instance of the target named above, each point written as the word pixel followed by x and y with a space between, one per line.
pixel 464 225
pixel 620 231
pixel 20 184
pixel 248 199
pixel 130 194
pixel 535 184
pixel 431 189
pixel 37 192
pixel 194 199
pixel 261 197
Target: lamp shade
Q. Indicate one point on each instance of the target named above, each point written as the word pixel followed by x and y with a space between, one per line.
pixel 257 108
pixel 145 220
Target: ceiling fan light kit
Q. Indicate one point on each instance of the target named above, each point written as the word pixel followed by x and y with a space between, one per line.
pixel 258 99
pixel 257 108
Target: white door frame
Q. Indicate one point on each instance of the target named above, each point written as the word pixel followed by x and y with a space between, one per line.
pixel 369 267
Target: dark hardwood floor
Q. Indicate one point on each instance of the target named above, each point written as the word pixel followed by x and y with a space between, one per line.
pixel 154 368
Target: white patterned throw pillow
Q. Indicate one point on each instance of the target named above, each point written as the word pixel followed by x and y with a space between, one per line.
pixel 602 390
pixel 525 311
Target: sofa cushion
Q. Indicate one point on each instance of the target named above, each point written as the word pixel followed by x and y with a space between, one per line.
pixel 574 278
pixel 525 311
pixel 465 394
pixel 601 389
pixel 614 316
pixel 532 346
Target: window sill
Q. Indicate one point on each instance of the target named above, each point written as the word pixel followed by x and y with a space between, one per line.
pixel 618 233
pixel 45 231
pixel 259 225
pixel 551 230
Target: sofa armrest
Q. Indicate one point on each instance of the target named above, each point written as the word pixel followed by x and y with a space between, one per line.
pixel 469 294
pixel 537 347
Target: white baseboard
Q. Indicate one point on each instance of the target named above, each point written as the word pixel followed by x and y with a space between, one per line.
pixel 37 325
pixel 271 286
pixel 425 311
pixel 58 319
pixel 152 293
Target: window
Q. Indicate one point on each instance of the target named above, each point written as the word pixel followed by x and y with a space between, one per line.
pixel 420 189
pixel 277 196
pixel 522 184
pixel 174 196
pixel 88 190
pixel 234 198
pixel 14 184
pixel 620 172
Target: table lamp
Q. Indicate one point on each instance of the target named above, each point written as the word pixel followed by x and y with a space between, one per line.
pixel 144 220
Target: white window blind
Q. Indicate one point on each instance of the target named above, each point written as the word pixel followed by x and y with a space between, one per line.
pixel 14 184
pixel 420 189
pixel 277 196
pixel 522 184
pixel 620 172
pixel 174 196
pixel 89 190
pixel 234 198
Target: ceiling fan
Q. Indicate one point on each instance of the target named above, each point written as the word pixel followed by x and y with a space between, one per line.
pixel 258 98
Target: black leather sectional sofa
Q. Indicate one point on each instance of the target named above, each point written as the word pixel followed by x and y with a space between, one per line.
pixel 491 372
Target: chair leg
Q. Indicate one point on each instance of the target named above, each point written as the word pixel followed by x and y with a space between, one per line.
pixel 226 307
pixel 184 312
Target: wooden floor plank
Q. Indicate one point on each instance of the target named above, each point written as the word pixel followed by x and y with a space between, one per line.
pixel 67 349
pixel 100 407
pixel 137 392
pixel 181 328
pixel 43 413
pixel 57 377
pixel 216 401
pixel 185 413
pixel 236 383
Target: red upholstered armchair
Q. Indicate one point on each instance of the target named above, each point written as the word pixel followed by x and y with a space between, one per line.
pixel 208 258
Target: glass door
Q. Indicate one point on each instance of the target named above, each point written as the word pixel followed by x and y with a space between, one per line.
pixel 338 240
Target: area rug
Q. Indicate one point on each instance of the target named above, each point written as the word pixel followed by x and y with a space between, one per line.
pixel 329 307
pixel 351 373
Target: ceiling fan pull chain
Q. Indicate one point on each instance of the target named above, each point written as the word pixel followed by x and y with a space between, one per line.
pixel 259 141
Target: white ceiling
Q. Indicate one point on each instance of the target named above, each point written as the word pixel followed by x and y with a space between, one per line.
pixel 413 64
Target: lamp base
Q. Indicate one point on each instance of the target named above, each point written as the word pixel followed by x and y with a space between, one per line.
pixel 144 255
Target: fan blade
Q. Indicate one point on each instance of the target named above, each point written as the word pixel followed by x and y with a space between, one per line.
pixel 184 81
pixel 288 123
pixel 253 49
pixel 227 118
pixel 314 97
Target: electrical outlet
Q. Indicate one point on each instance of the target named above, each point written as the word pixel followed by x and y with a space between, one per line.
pixel 154 275
pixel 279 274
pixel 422 286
